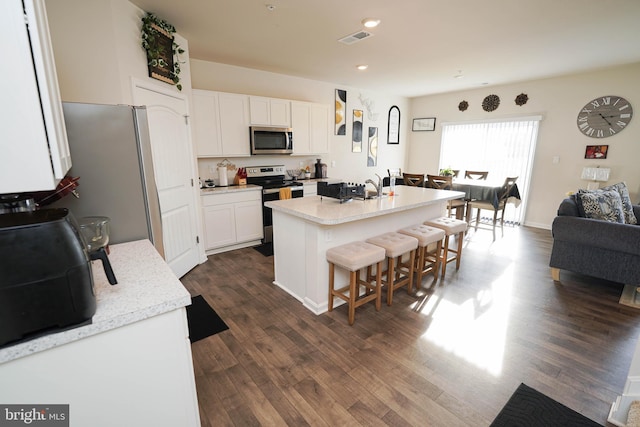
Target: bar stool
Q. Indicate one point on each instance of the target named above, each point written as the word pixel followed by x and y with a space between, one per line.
pixel 426 262
pixel 451 226
pixel 353 257
pixel 398 273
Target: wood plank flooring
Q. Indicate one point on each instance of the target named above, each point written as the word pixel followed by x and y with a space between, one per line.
pixel 449 355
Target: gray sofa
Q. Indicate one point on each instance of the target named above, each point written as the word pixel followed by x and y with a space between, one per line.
pixel 597 248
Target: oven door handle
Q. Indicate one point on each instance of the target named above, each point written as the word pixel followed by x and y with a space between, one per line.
pixel 277 190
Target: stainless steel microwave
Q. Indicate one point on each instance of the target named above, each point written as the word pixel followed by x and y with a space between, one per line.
pixel 271 140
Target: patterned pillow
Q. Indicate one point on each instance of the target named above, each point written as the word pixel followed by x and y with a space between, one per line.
pixel 627 207
pixel 601 204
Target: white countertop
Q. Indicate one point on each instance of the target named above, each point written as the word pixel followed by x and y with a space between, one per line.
pixel 146 287
pixel 329 211
pixel 230 189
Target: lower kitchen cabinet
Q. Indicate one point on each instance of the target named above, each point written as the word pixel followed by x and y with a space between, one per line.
pixel 232 220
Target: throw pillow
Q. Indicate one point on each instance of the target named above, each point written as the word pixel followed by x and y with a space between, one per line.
pixel 627 207
pixel 604 205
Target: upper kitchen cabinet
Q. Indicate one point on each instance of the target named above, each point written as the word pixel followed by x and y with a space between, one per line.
pixel 311 124
pixel 35 152
pixel 221 124
pixel 270 111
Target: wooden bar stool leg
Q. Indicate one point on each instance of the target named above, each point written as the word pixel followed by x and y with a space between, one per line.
pixel 438 260
pixel 418 266
pixel 352 296
pixel 332 269
pixel 412 262
pixel 459 251
pixel 445 255
pixel 378 285
pixel 390 279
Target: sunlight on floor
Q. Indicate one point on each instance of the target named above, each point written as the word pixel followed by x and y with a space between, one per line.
pixel 474 330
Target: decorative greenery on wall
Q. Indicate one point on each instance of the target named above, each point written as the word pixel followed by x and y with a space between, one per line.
pixel 162 50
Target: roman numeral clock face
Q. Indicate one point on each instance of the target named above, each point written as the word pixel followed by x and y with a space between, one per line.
pixel 605 116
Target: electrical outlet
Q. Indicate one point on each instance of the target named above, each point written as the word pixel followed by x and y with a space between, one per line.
pixel 556 160
pixel 328 236
pixel 333 163
pixel 212 169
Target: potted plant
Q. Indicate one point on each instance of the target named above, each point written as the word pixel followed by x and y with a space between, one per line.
pixel 307 172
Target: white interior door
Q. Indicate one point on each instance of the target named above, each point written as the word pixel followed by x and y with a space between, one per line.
pixel 172 161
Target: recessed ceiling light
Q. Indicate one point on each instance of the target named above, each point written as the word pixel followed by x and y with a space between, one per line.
pixel 370 22
pixel 362 67
pixel 270 7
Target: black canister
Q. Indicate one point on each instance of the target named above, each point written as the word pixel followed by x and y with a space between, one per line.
pixel 321 169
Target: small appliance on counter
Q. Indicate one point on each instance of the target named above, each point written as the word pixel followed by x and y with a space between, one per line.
pixel 46 280
pixel 342 191
pixel 95 230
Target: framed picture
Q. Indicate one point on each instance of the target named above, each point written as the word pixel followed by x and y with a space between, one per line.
pixel 341 112
pixel 424 124
pixel 356 133
pixel 596 152
pixel 393 129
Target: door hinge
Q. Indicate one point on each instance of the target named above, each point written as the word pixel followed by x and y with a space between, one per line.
pixel 197 240
pixel 186 119
pixel 192 182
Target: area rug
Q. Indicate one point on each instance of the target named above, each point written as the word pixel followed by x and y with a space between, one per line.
pixel 528 407
pixel 265 249
pixel 630 297
pixel 203 320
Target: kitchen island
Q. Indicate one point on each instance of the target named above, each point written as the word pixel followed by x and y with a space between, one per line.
pixel 131 366
pixel 304 228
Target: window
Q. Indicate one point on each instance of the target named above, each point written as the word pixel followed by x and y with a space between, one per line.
pixel 502 147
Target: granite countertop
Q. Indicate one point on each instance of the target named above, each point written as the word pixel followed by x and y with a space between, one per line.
pixel 329 211
pixel 146 287
pixel 230 189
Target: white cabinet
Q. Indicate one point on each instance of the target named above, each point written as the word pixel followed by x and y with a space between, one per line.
pixel 33 139
pixel 311 128
pixel 270 111
pixel 221 124
pixel 232 219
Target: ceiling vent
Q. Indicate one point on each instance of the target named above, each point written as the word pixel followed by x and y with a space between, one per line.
pixel 355 37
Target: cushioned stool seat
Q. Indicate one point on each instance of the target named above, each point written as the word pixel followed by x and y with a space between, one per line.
pixel 451 227
pixel 426 262
pixel 354 257
pixel 398 273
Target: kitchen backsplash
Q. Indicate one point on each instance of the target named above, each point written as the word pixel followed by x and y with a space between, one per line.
pixel 208 167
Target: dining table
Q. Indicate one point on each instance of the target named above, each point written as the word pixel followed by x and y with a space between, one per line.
pixel 487 190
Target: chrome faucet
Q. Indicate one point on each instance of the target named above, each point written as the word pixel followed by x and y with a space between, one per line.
pixel 378 186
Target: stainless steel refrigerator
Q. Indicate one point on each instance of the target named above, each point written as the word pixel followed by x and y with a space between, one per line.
pixel 111 153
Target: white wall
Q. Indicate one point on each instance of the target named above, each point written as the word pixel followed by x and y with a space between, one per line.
pixel 348 166
pixel 558 100
pixel 97 48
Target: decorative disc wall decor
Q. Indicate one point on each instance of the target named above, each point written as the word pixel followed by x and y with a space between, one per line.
pixel 463 106
pixel 490 103
pixel 522 99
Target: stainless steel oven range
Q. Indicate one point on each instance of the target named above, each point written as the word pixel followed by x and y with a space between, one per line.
pixel 271 178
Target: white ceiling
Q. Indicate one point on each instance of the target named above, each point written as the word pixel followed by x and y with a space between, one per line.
pixel 420 44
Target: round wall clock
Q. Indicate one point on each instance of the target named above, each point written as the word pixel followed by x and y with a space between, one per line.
pixel 604 116
pixel 490 102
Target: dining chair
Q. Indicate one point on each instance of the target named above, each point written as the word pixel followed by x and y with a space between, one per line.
pixel 413 179
pixel 505 191
pixel 475 175
pixel 395 172
pixel 440 182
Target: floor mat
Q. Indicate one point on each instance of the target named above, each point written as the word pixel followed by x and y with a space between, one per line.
pixel 265 249
pixel 528 407
pixel 203 320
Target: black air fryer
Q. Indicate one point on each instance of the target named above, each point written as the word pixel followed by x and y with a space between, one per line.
pixel 46 284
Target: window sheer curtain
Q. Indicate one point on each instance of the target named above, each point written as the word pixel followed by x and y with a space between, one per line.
pixel 503 147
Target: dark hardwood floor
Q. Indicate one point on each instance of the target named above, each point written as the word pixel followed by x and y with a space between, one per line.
pixel 450 355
